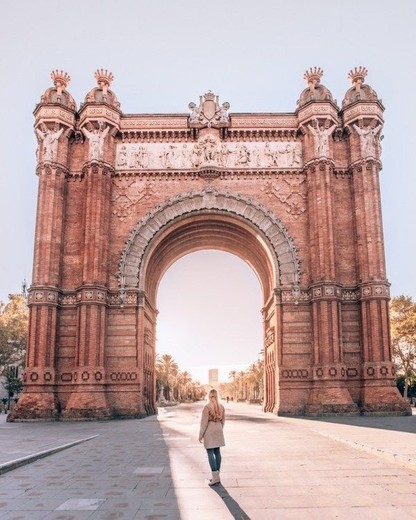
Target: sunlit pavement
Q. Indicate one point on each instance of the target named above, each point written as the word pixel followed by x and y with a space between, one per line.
pixel 155 468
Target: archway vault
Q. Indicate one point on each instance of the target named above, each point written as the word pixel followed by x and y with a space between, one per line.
pixel 209 219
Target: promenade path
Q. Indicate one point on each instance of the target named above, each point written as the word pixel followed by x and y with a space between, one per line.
pixel 273 468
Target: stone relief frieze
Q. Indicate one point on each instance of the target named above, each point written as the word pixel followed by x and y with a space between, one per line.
pixel 126 193
pixel 208 151
pixel 291 191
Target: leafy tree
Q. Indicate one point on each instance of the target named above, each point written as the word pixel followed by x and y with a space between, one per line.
pixel 14 319
pixel 12 382
pixel 403 334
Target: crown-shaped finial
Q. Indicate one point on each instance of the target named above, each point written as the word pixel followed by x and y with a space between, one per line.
pixel 209 95
pixel 313 77
pixel 104 78
pixel 357 76
pixel 60 79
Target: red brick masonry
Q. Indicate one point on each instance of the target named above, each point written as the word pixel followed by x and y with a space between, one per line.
pixel 122 197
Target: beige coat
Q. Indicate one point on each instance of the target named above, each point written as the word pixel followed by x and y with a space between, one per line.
pixel 212 432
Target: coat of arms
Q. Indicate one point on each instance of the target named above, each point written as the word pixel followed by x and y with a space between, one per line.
pixel 209 112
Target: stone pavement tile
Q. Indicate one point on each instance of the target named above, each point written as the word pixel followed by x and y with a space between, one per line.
pixel 326 513
pixel 46 503
pixel 24 515
pixel 192 514
pixel 68 515
pixel 113 514
pixel 122 503
pixel 164 515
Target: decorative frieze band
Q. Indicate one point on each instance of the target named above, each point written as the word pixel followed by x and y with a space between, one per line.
pixel 207 152
pixel 380 370
pixel 131 298
pixel 58 113
pixel 97 376
pixel 361 111
pixel 154 122
pixel 39 376
pixel 323 372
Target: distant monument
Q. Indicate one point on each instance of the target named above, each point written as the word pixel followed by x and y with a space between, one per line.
pixel 213 377
pixel 123 196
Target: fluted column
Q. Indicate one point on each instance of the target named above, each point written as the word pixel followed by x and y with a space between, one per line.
pixel 378 389
pixel 98 123
pixel 362 116
pixel 329 392
pixel 54 123
pixel 89 398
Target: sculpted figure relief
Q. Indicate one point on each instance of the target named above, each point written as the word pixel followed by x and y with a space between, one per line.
pixel 195 113
pixel 368 139
pixel 168 156
pixel 96 139
pixel 242 155
pixel 139 158
pixel 49 140
pixel 209 151
pixel 222 113
pixel 321 138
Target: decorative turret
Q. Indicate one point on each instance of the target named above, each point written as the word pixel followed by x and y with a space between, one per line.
pixel 315 91
pixel 102 93
pixel 58 93
pixel 317 116
pixel 50 123
pixel 362 115
pixel 99 116
pixel 359 90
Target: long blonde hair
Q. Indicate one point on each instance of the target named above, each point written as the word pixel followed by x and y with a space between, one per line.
pixel 215 410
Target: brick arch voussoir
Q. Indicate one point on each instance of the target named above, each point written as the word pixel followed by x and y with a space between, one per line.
pixel 282 244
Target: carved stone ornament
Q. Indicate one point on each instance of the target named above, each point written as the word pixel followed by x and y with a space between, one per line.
pixel 209 151
pixel 286 253
pixel 209 112
pixel 290 191
pixel 126 194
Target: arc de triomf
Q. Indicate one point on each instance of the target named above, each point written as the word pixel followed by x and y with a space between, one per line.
pixel 123 196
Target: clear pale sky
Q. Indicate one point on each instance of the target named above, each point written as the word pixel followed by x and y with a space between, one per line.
pixel 167 53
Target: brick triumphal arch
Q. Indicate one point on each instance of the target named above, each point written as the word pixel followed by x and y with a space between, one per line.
pixel 122 197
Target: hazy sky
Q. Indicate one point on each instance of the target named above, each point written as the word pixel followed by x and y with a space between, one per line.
pixel 165 54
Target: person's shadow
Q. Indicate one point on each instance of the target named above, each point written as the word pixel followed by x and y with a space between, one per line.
pixel 229 501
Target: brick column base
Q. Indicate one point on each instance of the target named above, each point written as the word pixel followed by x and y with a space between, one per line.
pixel 383 400
pixel 330 399
pixel 35 406
pixel 88 402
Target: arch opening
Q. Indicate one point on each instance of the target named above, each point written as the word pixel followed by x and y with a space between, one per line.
pixel 209 318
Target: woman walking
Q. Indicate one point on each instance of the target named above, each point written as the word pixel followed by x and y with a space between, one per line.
pixel 212 435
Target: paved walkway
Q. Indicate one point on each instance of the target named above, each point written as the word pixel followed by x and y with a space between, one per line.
pixel 154 468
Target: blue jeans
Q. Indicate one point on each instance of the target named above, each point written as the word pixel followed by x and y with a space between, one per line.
pixel 214 458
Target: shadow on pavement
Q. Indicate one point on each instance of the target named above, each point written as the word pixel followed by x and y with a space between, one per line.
pixel 393 422
pixel 232 505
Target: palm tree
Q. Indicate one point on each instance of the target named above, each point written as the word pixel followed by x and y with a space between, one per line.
pixel 166 370
pixel 183 379
pixel 255 379
pixel 232 375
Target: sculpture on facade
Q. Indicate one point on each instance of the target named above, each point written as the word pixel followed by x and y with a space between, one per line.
pixel 368 139
pixel 49 139
pixel 321 136
pixel 96 138
pixel 209 112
